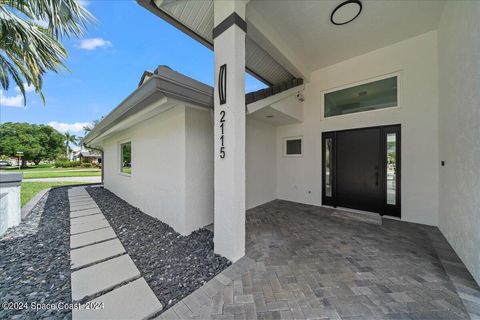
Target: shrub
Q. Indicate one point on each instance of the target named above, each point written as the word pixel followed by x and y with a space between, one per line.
pixel 66 164
pixel 62 158
pixel 87 165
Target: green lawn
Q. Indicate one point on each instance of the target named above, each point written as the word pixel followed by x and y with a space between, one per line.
pixel 30 189
pixel 49 172
pixel 64 173
pixel 127 170
pixel 43 166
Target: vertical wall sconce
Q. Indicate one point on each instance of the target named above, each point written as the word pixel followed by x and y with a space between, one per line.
pixel 222 84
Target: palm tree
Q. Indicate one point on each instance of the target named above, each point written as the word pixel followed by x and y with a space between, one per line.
pixel 28 48
pixel 69 138
pixel 92 125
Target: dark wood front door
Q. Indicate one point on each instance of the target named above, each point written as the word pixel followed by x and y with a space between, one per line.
pixel 361 169
pixel 358 169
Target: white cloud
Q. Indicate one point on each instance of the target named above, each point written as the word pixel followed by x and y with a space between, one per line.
pixel 28 88
pixel 83 3
pixel 41 23
pixel 94 43
pixel 15 101
pixel 68 127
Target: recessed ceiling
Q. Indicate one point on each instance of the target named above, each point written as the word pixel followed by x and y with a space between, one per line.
pixel 306 27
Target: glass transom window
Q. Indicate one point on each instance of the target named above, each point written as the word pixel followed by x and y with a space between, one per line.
pixel 374 95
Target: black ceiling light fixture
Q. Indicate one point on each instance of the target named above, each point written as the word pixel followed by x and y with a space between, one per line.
pixel 346 12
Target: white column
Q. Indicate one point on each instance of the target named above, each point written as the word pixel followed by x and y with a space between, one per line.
pixel 229 132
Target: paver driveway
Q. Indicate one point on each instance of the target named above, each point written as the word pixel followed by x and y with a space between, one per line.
pixel 308 262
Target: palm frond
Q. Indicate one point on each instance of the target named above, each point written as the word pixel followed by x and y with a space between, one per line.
pixel 31 50
pixel 64 17
pixel 6 69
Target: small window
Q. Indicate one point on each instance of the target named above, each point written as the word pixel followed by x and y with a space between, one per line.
pixel 374 95
pixel 126 158
pixel 293 147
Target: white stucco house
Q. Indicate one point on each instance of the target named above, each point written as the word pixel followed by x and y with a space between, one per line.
pixel 371 106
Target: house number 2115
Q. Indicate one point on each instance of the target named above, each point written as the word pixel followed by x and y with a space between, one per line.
pixel 222 134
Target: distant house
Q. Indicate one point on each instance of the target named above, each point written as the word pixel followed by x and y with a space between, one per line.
pixel 87 156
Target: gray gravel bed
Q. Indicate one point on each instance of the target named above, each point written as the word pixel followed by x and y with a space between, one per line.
pixel 173 265
pixel 35 261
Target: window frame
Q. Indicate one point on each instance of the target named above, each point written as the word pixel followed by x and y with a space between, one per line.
pixel 120 157
pixel 397 74
pixel 285 155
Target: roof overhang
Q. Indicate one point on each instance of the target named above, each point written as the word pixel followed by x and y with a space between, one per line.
pixel 280 109
pixel 157 94
pixel 264 60
pixel 292 39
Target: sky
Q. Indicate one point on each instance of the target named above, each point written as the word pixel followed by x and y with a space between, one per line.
pixel 105 66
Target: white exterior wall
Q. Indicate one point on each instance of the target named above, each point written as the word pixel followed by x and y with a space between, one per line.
pixel 199 167
pixel 261 173
pixel 172 166
pixel 299 178
pixel 459 83
pixel 158 184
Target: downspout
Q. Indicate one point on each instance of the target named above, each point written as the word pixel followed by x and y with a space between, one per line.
pixel 103 162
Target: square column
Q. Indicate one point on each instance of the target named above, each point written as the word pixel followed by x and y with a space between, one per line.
pixel 229 128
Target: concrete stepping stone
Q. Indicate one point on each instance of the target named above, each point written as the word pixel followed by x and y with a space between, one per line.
pixel 87 212
pixel 77 192
pixel 96 252
pixel 103 276
pixel 77 201
pixel 79 197
pixel 87 219
pixel 83 206
pixel 76 188
pixel 86 205
pixel 81 201
pixel 91 237
pixel 134 300
pixel 85 227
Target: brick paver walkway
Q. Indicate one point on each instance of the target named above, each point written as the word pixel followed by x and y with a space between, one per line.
pixel 306 262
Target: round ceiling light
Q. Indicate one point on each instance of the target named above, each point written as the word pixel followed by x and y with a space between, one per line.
pixel 346 12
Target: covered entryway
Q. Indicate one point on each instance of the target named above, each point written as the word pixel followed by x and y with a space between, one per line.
pixel 361 169
pixel 416 42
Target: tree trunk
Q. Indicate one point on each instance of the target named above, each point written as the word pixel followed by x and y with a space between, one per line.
pixel 24 163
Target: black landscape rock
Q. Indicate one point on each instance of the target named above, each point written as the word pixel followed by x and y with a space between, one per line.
pixel 173 265
pixel 35 261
